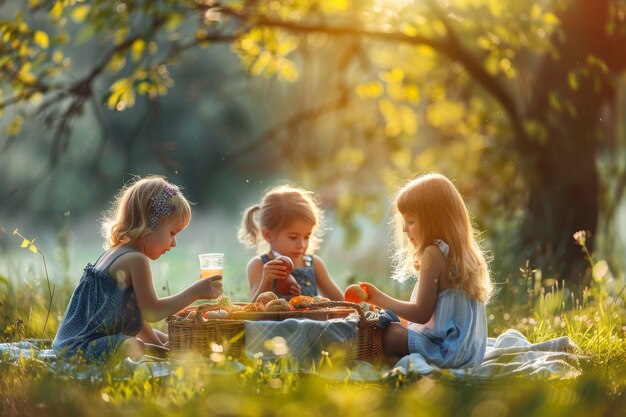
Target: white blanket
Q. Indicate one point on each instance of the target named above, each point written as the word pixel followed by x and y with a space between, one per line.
pixel 510 355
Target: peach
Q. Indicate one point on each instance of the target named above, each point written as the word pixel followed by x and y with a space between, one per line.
pixel 356 293
pixel 283 286
pixel 287 261
pixel 266 297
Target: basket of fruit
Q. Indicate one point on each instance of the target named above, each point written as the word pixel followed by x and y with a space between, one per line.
pixel 218 327
pixel 206 329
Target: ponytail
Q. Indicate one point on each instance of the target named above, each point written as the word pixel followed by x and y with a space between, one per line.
pixel 249 230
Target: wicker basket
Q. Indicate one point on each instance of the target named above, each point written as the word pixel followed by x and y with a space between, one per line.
pixel 202 336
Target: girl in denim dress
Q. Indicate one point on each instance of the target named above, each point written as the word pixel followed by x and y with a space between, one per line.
pixel 115 301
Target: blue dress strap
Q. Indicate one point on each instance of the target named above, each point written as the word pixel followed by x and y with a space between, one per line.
pixel 106 267
pixel 443 247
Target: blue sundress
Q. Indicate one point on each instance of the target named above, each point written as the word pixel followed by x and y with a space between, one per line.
pixel 456 335
pixel 101 314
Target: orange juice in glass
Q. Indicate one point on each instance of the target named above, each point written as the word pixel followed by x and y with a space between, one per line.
pixel 211 264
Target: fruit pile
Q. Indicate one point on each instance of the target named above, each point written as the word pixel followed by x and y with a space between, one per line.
pixel 267 301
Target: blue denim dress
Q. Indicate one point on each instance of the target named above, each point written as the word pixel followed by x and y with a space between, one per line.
pixel 305 277
pixel 102 314
pixel 456 335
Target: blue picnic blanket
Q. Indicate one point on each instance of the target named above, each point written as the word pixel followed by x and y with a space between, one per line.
pixel 508 355
pixel 303 340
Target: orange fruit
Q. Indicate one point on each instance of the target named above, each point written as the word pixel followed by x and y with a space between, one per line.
pixel 355 293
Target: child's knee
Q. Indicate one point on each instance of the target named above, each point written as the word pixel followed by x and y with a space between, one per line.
pixel 395 340
pixel 132 348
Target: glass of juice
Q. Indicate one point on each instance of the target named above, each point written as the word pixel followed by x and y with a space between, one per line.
pixel 211 264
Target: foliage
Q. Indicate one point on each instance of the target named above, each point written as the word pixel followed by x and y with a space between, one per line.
pixel 484 91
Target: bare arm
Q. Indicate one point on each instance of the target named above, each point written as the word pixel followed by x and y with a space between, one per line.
pixel 255 278
pixel 151 306
pixel 432 265
pixel 327 286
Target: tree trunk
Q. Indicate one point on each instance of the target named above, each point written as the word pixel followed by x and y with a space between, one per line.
pixel 567 100
pixel 564 190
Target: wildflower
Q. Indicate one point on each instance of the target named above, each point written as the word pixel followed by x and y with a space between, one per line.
pixel 279 346
pixel 586 293
pixel 580 237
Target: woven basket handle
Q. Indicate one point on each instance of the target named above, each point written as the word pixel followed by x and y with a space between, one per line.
pixel 330 304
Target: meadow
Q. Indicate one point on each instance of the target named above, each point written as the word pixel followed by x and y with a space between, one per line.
pixel 595 320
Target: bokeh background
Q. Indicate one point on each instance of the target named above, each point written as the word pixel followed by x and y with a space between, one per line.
pixel 520 103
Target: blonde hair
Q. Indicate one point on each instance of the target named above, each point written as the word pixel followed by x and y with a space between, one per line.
pixel 442 214
pixel 128 219
pixel 279 207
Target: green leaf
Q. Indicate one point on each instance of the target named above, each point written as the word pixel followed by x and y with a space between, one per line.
pixel 117 62
pixel 122 94
pixel 41 39
pixel 173 22
pixel 25 76
pixel 5 281
pixel 288 71
pixel 332 6
pixel 80 13
pixel 445 113
pixel 15 127
pixel 57 10
pixel 136 49
pixel 572 80
pixel 550 19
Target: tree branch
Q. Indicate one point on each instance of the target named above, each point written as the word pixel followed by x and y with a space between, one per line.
pixel 451 47
pixel 300 117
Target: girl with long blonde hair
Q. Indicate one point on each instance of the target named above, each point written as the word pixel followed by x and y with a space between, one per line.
pixel 435 241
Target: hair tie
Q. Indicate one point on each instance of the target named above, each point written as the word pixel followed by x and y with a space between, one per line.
pixel 159 205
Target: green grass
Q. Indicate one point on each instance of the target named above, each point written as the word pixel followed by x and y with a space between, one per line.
pixel 597 325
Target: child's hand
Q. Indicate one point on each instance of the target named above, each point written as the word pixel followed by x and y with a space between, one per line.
pixel 294 288
pixel 373 293
pixel 288 286
pixel 209 288
pixel 274 269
